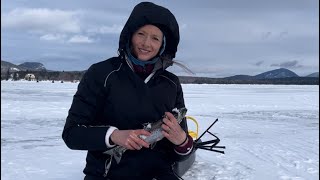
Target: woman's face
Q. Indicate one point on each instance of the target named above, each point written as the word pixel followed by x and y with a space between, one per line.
pixel 146 42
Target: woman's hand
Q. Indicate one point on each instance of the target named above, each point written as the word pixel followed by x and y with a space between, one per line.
pixel 172 130
pixel 130 138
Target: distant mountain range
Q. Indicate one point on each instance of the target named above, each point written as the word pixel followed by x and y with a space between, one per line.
pixel 316 74
pixel 273 74
pixel 277 76
pixel 30 66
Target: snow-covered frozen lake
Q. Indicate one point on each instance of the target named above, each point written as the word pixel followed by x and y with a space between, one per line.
pixel 270 131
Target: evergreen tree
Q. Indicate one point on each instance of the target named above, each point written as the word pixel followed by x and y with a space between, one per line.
pixel 15 76
pixel 8 74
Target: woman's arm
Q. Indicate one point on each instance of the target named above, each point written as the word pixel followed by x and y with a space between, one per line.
pixel 82 131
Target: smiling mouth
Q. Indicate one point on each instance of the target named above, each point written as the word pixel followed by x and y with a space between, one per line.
pixel 144 51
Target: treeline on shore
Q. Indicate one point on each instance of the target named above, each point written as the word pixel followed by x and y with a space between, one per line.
pixel 77 75
pixel 288 80
pixel 43 75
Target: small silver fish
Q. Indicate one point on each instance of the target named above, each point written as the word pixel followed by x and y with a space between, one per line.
pixel 155 130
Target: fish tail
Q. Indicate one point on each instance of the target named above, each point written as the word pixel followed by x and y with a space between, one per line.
pixel 117 157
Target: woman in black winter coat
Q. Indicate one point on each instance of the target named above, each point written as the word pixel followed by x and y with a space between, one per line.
pixel 117 96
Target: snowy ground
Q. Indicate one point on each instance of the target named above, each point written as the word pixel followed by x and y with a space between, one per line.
pixel 270 131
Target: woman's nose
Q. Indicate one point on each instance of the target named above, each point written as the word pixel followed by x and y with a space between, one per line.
pixel 147 42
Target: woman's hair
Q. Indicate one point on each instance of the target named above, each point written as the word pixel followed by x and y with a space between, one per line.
pixel 180 64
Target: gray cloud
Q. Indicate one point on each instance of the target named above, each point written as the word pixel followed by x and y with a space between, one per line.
pixel 53 37
pixel 259 63
pixel 288 64
pixel 80 39
pixel 61 26
pixel 42 20
pixel 114 29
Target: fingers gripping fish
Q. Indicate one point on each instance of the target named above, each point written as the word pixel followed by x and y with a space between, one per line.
pixel 155 130
pixel 156 135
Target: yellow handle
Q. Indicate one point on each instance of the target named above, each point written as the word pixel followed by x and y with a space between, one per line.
pixel 193 134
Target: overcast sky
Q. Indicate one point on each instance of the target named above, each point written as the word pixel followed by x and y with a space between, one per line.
pixel 218 37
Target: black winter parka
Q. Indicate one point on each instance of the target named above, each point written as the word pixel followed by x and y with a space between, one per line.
pixel 111 94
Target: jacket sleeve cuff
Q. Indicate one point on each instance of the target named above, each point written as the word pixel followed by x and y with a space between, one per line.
pixel 186 149
pixel 108 134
